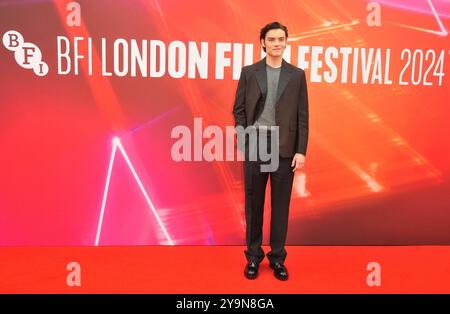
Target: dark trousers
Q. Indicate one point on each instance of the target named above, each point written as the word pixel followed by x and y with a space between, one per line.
pixel 255 182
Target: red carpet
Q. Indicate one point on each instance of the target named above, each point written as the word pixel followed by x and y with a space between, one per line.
pixel 219 269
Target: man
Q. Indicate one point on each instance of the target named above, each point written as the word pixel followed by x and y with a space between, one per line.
pixel 272 94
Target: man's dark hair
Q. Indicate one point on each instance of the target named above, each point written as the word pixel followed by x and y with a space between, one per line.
pixel 268 27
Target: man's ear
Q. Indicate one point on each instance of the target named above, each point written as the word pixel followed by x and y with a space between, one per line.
pixel 262 42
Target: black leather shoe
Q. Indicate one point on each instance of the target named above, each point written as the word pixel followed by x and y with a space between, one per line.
pixel 251 270
pixel 279 271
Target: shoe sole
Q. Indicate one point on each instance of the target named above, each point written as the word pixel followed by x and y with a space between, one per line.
pixel 250 277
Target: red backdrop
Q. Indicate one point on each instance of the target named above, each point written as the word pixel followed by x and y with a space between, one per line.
pixel 378 163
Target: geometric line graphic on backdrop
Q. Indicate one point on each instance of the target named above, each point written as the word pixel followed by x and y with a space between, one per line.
pixel 443 32
pixel 117 144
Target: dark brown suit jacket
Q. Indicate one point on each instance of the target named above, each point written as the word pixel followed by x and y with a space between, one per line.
pixel 291 108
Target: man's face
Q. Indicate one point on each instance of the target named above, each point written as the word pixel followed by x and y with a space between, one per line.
pixel 275 42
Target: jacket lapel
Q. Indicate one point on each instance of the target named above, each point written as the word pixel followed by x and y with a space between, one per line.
pixel 261 77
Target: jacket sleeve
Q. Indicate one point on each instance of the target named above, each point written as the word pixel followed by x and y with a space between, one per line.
pixel 240 117
pixel 303 117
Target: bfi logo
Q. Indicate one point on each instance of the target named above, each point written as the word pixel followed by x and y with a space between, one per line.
pixel 27 55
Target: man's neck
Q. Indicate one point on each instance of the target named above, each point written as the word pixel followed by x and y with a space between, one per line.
pixel 274 62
